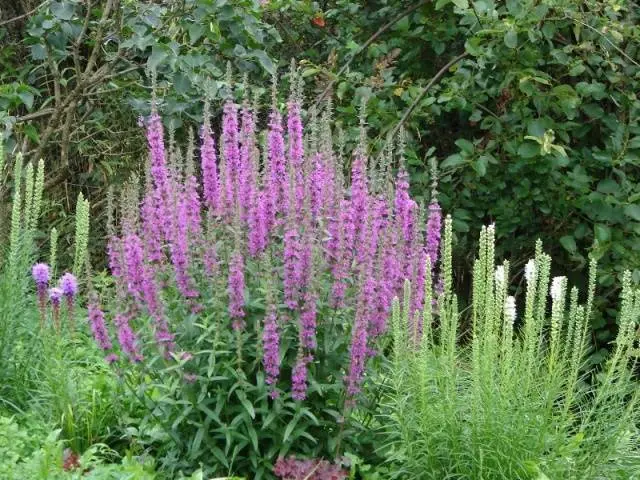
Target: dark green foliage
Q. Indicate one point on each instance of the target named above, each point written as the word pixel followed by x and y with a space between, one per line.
pixel 67 88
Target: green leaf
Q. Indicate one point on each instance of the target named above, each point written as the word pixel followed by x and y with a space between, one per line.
pixel 461 3
pixel 465 145
pixel 569 243
pixel 62 10
pixel 633 211
pixel 220 456
pixel 602 232
pixel 246 403
pixel 197 440
pixel 514 7
pixel 27 99
pixel 528 150
pixel 264 60
pixel 287 431
pixel 511 39
pixel 608 186
pixel 452 161
pixel 634 142
pixel 38 52
pixel 253 436
pixel 481 166
pixel 196 31
pixel 32 133
pixel 442 3
pixel 158 55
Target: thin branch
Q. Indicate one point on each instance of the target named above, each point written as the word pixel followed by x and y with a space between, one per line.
pixel 83 32
pixel 35 115
pixel 620 51
pixel 24 15
pixel 417 101
pixel 364 46
pixel 98 39
pixel 53 66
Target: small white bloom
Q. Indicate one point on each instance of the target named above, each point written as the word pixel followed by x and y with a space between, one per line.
pixel 510 308
pixel 500 275
pixel 557 286
pixel 530 271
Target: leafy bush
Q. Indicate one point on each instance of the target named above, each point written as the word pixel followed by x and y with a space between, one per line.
pixel 504 392
pixel 245 320
pixel 34 451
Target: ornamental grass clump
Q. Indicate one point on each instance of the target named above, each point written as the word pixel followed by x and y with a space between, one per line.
pixel 503 388
pixel 250 298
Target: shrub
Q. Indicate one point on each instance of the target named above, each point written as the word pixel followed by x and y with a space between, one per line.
pixel 32 452
pixel 247 308
pixel 504 392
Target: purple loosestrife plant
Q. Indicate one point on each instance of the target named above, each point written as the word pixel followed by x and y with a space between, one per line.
pixel 277 183
pixel 231 155
pixel 296 156
pixel 278 278
pixel 299 378
pixel 127 338
pixel 209 166
pixel 246 173
pixel 271 349
pixel 98 326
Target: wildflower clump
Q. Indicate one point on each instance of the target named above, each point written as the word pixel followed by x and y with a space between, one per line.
pixel 274 260
pixel 504 389
pixel 67 288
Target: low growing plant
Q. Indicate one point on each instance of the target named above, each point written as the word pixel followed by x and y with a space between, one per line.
pixel 504 391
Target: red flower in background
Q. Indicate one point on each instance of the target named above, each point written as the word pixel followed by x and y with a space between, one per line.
pixel 71 460
pixel 318 20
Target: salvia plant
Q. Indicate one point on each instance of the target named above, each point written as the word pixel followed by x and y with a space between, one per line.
pixel 250 298
pixel 503 389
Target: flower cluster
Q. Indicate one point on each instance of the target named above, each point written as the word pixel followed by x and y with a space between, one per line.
pixel 293 469
pixel 67 288
pixel 346 244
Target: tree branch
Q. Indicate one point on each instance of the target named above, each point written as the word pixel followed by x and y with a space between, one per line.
pixel 416 102
pixel 24 15
pixel 83 32
pixel 99 33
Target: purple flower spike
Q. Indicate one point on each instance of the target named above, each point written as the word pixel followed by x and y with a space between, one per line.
pixel 111 358
pixel 55 295
pixel 98 327
pixel 69 285
pixel 210 177
pixel 434 226
pixel 40 273
pixel 299 378
pixel 271 348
